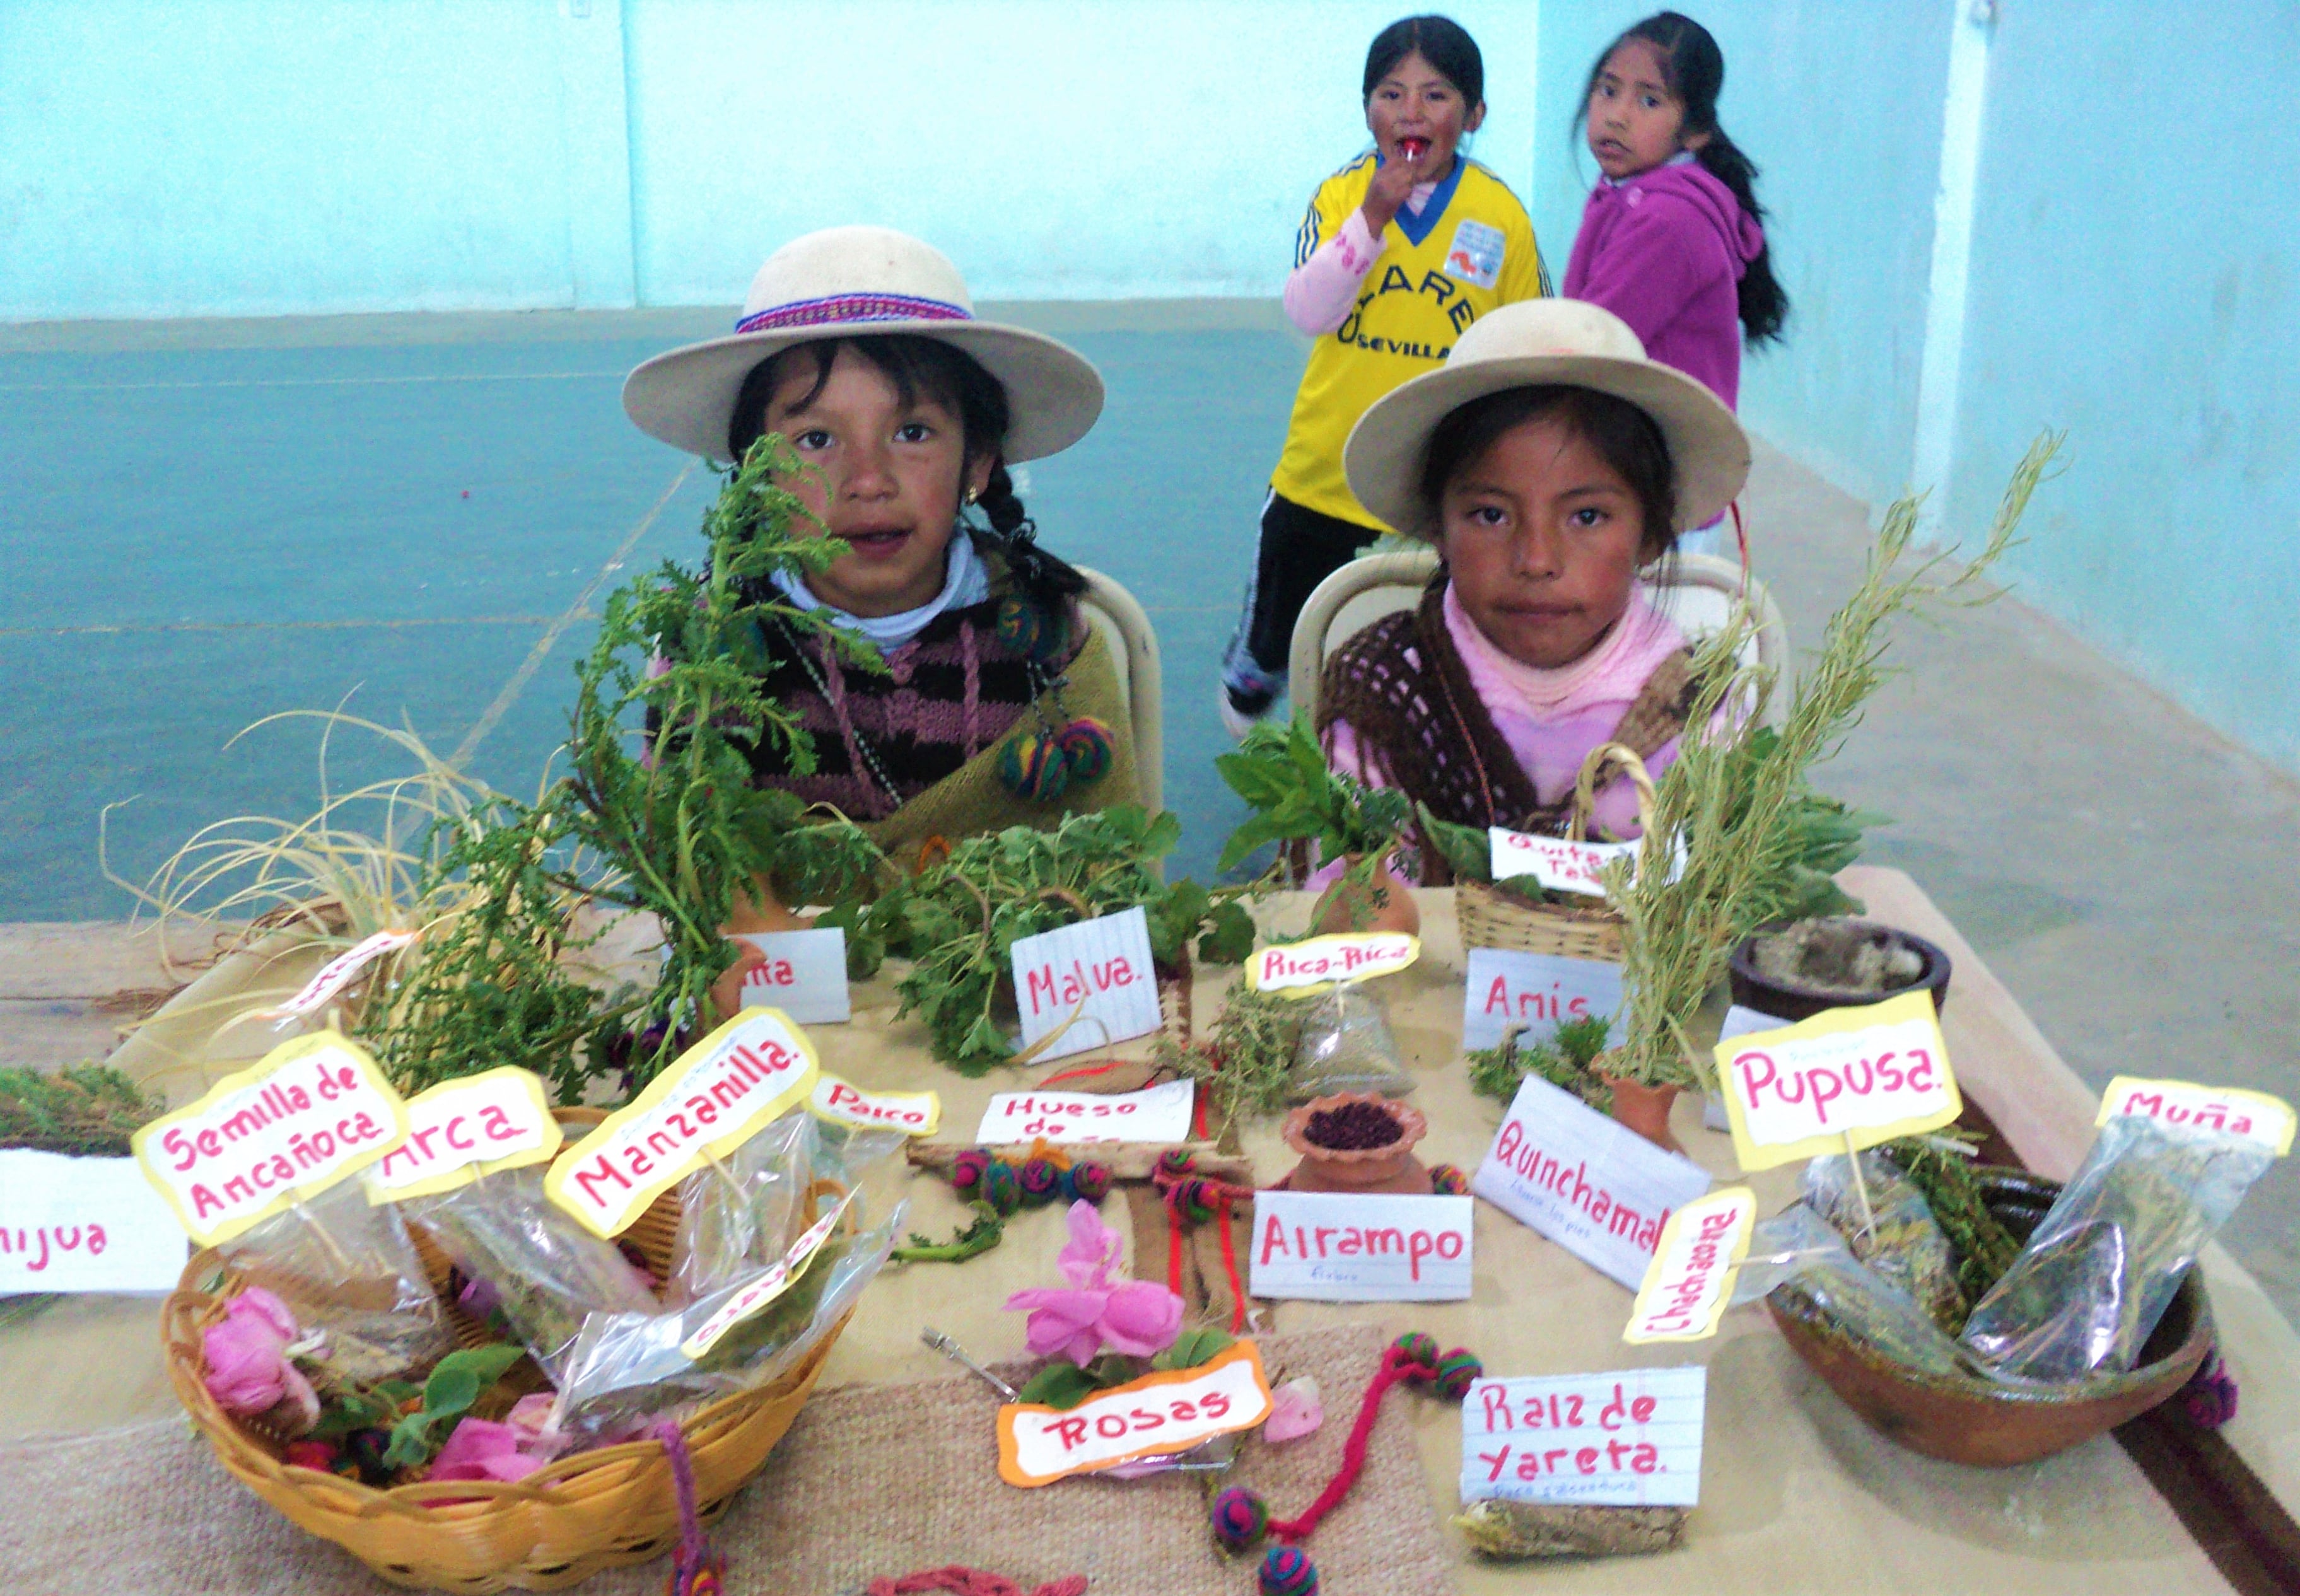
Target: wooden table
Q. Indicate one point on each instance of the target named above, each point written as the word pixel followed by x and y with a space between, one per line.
pixel 1798 1493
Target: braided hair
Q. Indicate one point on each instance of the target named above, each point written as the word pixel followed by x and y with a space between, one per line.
pixel 955 378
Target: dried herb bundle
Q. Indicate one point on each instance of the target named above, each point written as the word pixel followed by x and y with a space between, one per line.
pixel 1984 1248
pixel 1247 1058
pixel 87 1111
pixel 1567 1058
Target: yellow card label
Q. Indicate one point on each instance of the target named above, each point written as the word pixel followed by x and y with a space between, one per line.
pixel 1869 1073
pixel 2252 1115
pixel 1690 1281
pixel 312 1112
pixel 1156 1415
pixel 1319 965
pixel 718 1094
pixel 913 1113
pixel 462 1129
pixel 766 1288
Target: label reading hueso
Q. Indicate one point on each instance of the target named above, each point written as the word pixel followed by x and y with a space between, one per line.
pixel 461 1130
pixel 1691 1280
pixel 1319 965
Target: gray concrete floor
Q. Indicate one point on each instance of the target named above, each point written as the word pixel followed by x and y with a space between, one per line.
pixel 212 521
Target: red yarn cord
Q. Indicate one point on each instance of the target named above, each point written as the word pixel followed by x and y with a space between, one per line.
pixel 1229 1267
pixel 1173 1249
pixel 1083 1071
pixel 1394 1365
pixel 1198 1114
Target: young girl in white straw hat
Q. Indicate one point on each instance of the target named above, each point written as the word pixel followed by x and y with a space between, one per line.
pixel 1000 704
pixel 1550 461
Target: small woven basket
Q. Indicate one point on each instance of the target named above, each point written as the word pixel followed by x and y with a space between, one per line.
pixel 571 1518
pixel 1493 916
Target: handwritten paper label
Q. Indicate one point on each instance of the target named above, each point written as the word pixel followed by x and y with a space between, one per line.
pixel 1631 1438
pixel 766 1288
pixel 1559 865
pixel 718 1094
pixel 913 1113
pixel 1532 993
pixel 1738 1022
pixel 1336 1247
pixel 311 1112
pixel 1153 1416
pixel 1594 1186
pixel 83 1224
pixel 1873 1073
pixel 804 975
pixel 461 1130
pixel 2254 1115
pixel 1690 1282
pixel 338 973
pixel 1156 1114
pixel 1321 963
pixel 1097 970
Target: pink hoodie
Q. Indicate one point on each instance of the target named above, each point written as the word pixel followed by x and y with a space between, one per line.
pixel 1664 250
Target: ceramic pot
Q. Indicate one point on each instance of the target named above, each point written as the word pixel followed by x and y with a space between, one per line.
pixel 1645 1109
pixel 1348 906
pixel 1391 1167
pixel 760 911
pixel 1794 1001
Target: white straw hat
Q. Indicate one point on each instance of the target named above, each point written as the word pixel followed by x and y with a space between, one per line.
pixel 1534 342
pixel 854 282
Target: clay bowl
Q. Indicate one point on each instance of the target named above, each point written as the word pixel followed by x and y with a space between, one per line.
pixel 1390 1168
pixel 1966 1419
pixel 1792 1001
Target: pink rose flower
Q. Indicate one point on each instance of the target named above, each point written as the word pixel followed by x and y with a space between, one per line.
pixel 1136 1317
pixel 248 1370
pixel 479 1450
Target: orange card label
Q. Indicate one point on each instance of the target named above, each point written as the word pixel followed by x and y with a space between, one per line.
pixel 1156 1415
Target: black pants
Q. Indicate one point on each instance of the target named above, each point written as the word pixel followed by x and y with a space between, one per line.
pixel 1299 548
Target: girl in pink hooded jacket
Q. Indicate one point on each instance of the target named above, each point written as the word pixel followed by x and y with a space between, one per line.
pixel 1670 240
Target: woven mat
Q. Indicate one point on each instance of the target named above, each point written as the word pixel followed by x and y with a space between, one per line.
pixel 870 1482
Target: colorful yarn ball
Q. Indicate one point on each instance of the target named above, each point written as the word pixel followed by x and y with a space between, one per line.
pixel 313 1454
pixel 1288 1571
pixel 1447 1180
pixel 1457 1371
pixel 1033 767
pixel 1177 1160
pixel 1239 1517
pixel 1040 1182
pixel 1089 1181
pixel 1085 744
pixel 1023 628
pixel 999 1187
pixel 966 1170
pixel 1419 1348
pixel 1192 1197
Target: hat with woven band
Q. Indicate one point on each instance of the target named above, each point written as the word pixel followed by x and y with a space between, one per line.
pixel 858 282
pixel 1537 343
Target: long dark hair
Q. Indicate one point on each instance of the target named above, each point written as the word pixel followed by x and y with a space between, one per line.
pixel 1442 42
pixel 953 379
pixel 1694 69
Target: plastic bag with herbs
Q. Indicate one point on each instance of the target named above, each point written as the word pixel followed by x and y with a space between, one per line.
pixel 350 1269
pixel 1896 1235
pixel 1346 1046
pixel 2103 1265
pixel 1801 1258
pixel 531 1262
pixel 739 1215
pixel 627 1370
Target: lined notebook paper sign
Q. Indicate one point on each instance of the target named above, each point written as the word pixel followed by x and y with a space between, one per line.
pixel 1533 993
pixel 804 975
pixel 1092 982
pixel 1628 1438
pixel 84 1225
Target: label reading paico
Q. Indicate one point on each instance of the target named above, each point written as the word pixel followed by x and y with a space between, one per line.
pixel 766 1288
pixel 1871 1073
pixel 2252 1115
pixel 1156 1415
pixel 742 1077
pixel 312 1112
pixel 913 1113
pixel 1319 965
pixel 1691 1280
pixel 461 1130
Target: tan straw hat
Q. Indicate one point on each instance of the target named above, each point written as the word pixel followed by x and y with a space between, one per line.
pixel 1535 343
pixel 856 282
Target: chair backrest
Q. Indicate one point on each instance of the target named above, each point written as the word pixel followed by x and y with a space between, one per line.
pixel 1124 625
pixel 1695 590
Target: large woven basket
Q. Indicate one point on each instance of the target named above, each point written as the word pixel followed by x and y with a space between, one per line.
pixel 1496 917
pixel 596 1509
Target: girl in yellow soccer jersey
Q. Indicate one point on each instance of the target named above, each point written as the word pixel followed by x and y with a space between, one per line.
pixel 1402 249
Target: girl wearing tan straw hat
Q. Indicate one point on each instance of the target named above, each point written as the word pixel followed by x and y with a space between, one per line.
pixel 1550 461
pixel 999 704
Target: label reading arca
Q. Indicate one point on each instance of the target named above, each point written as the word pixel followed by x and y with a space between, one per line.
pixel 1686 1290
pixel 460 1130
pixel 766 1288
pixel 1319 965
pixel 718 1094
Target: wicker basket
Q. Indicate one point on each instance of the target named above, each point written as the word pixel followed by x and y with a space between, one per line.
pixel 1494 916
pixel 596 1509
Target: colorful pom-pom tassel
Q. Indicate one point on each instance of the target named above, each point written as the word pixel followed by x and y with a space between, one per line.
pixel 966 1170
pixel 1033 767
pixel 1288 1571
pixel 1447 1180
pixel 1177 1160
pixel 1192 1197
pixel 999 1187
pixel 1457 1371
pixel 1089 1181
pixel 313 1454
pixel 1239 1516
pixel 1085 744
pixel 1024 628
pixel 1040 1182
pixel 1420 1347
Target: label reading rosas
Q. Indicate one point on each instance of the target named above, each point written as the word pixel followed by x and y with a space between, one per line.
pixel 1691 1280
pixel 461 1129
pixel 1156 1415
pixel 1321 963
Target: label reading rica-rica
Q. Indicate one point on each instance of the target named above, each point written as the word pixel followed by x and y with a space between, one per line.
pixel 1321 963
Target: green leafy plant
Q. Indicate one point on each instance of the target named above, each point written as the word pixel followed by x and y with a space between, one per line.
pixel 960 919
pixel 456 1382
pixel 1063 1385
pixel 1567 1058
pixel 1941 1168
pixel 986 1231
pixel 86 1110
pixel 1246 1057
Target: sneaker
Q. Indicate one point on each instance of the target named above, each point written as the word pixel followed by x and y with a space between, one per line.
pixel 1242 711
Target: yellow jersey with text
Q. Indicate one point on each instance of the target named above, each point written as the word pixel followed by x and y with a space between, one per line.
pixel 1470 249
